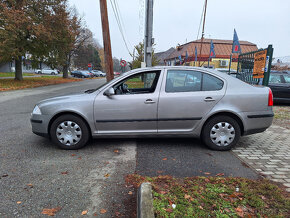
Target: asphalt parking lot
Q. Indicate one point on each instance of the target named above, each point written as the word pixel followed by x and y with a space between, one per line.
pixel 35 174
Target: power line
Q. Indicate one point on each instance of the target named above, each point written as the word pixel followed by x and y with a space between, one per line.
pixel 120 26
pixel 122 22
pixel 200 21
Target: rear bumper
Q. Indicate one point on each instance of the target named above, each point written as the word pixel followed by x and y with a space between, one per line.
pixel 257 122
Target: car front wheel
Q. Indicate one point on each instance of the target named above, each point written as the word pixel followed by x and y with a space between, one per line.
pixel 69 132
pixel 221 133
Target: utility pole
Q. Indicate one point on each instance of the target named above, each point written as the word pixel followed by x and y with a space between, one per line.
pixel 106 40
pixel 202 34
pixel 148 41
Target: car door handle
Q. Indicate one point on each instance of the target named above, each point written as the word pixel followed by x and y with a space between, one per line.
pixel 149 101
pixel 209 99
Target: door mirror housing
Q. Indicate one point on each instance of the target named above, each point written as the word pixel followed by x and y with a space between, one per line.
pixel 109 92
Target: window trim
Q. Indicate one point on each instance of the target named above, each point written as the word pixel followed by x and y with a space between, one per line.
pixel 202 77
pixel 157 79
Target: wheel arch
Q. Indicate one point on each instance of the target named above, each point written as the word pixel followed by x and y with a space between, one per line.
pixel 226 113
pixel 68 113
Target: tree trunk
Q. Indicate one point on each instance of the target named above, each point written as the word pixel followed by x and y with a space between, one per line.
pixel 18 69
pixel 65 71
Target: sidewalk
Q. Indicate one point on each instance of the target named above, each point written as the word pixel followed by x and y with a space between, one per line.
pixel 268 153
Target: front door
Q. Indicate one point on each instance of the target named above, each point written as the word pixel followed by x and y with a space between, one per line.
pixel 185 98
pixel 133 107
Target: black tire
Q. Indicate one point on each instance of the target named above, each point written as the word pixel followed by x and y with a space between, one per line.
pixel 83 126
pixel 210 124
pixel 53 73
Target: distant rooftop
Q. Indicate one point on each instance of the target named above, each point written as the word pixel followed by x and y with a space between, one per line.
pixel 223 48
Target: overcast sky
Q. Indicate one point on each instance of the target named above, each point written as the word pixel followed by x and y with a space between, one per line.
pixel 261 22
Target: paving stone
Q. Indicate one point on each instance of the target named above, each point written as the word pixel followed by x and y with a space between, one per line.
pixel 283 169
pixel 278 180
pixel 268 153
pixel 279 176
pixel 267 173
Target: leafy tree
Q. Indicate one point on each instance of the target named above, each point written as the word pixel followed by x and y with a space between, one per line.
pixel 28 27
pixel 136 63
pixel 87 54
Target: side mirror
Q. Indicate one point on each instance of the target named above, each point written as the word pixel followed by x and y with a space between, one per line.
pixel 109 92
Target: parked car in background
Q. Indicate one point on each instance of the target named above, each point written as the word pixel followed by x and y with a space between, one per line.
pixel 47 71
pixel 159 101
pixel 98 73
pixel 82 74
pixel 117 74
pixel 279 82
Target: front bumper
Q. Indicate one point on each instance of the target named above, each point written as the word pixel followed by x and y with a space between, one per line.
pixel 39 124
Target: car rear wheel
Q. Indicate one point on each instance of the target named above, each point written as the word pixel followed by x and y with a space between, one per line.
pixel 69 132
pixel 221 133
pixel 53 73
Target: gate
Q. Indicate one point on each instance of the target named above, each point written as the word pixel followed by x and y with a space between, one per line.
pixel 246 67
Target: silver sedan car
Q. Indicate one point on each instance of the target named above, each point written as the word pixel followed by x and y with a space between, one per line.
pixel 159 101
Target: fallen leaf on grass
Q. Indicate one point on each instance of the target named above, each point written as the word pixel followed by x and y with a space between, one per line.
pixel 200 207
pixel 164 158
pixel 187 196
pixel 220 174
pixel 50 212
pixel 64 173
pixel 206 173
pixel 84 212
pixel 169 210
pixel 159 171
pixel 240 211
pixel 107 175
pixel 163 192
pixel 18 202
pixel 73 155
pixel 102 211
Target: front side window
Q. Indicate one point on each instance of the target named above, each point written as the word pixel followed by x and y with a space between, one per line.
pixel 287 78
pixel 275 79
pixel 138 84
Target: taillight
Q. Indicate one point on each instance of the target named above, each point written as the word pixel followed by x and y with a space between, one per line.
pixel 270 98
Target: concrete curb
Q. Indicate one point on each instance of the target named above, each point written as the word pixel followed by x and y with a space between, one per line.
pixel 145 201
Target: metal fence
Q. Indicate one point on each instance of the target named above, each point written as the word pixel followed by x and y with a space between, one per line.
pixel 246 66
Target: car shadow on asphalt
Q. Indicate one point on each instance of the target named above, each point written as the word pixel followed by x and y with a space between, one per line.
pixel 187 157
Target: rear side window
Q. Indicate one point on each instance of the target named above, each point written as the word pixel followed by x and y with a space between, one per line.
pixel 191 81
pixel 211 83
pixel 183 81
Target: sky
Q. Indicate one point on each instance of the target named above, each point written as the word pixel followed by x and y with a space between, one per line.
pixel 262 22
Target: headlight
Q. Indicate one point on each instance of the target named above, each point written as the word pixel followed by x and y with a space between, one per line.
pixel 36 110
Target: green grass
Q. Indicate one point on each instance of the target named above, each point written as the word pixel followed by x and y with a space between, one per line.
pixel 282 112
pixel 215 197
pixel 13 74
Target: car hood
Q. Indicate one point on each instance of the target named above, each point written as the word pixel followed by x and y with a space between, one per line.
pixel 67 98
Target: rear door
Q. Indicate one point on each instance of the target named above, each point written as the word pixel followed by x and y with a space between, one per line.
pixel 185 98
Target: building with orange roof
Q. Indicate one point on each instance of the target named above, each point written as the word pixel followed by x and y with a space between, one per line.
pixel 223 50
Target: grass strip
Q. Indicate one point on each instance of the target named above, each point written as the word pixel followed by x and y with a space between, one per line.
pixel 11 84
pixel 215 197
